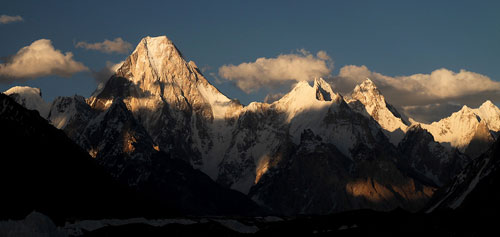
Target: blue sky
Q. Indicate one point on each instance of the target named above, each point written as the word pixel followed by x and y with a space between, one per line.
pixel 392 38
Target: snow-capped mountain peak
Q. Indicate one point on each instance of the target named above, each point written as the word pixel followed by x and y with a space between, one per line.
pixel 30 98
pixel 461 127
pixel 489 113
pixel 304 97
pixel 369 95
pixel 156 73
pixel 156 51
pixel 64 109
pixel 367 100
pixel 487 104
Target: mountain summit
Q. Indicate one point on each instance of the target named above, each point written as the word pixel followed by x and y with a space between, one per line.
pixel 367 99
pixel 469 130
pixel 156 72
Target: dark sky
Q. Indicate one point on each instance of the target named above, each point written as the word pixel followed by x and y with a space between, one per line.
pixel 393 38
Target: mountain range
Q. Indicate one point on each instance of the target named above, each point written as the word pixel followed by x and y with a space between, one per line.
pixel 158 127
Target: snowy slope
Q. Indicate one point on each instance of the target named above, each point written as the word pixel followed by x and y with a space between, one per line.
pixel 428 159
pixel 306 106
pixel 477 182
pixel 65 109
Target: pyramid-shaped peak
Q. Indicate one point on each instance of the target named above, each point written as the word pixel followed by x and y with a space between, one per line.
pixel 159 47
pixel 153 58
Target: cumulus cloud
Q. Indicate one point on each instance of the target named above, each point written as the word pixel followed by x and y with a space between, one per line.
pixel 5 19
pixel 37 60
pixel 117 45
pixel 282 70
pixel 105 73
pixel 433 95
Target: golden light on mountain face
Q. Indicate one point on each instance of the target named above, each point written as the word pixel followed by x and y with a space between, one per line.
pixel 129 141
pixel 262 167
pixel 372 190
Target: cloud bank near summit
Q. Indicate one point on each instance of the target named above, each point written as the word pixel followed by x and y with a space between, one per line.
pixel 430 96
pixel 275 72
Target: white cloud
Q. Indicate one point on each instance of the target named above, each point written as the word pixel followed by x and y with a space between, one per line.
pixel 5 19
pixel 282 70
pixel 37 60
pixel 105 73
pixel 440 86
pixel 117 45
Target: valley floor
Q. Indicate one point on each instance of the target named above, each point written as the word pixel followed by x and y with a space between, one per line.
pixel 354 223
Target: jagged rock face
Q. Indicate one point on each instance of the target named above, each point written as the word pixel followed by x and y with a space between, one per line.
pixel 71 114
pixel 256 135
pixel 46 160
pixel 262 130
pixel 427 160
pixel 120 144
pixel 474 191
pixel 314 177
pixel 43 170
pixel 481 141
pixel 367 100
pixel 323 157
